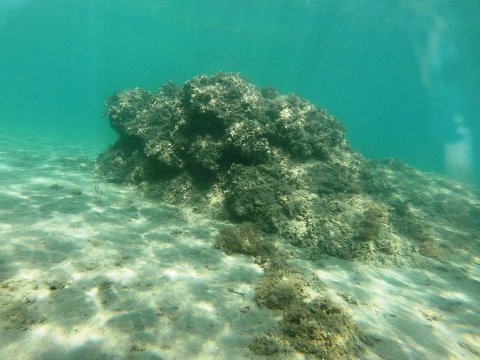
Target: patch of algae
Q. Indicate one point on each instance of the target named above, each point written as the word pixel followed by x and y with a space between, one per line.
pixel 323 328
pixel 246 239
pixel 317 326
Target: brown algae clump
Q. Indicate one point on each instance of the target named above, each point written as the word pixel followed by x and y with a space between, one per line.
pixel 317 326
pixel 244 239
pixel 279 291
pixel 323 328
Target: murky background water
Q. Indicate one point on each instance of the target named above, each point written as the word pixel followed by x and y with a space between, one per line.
pixel 402 76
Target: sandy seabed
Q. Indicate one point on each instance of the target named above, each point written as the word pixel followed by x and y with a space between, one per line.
pixel 92 270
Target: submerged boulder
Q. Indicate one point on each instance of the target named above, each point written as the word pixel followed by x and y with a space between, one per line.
pixel 245 154
pixel 242 153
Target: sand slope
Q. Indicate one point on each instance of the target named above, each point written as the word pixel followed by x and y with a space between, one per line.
pixel 90 270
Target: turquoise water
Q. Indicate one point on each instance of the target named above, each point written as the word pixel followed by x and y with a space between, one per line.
pixel 191 239
pixel 403 77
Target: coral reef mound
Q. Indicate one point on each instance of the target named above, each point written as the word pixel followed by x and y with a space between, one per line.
pixel 243 154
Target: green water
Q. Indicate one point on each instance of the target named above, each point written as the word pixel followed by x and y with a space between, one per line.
pixel 403 77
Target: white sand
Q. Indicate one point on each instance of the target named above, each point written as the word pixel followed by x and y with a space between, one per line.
pixel 107 274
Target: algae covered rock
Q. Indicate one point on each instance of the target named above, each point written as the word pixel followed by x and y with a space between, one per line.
pixel 211 123
pixel 246 154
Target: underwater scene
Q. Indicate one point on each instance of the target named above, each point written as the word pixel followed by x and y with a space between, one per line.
pixel 257 179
